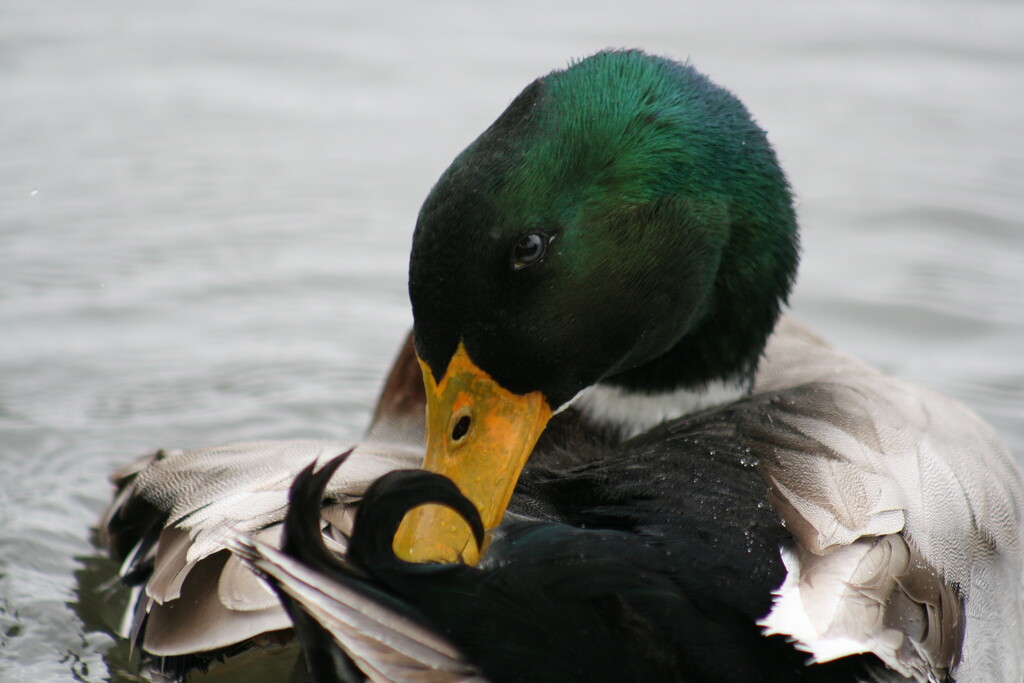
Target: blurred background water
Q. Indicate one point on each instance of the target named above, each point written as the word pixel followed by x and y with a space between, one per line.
pixel 206 206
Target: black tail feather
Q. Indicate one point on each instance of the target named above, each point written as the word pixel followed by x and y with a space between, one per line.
pixel 302 525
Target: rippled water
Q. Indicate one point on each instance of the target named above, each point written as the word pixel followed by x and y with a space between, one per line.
pixel 205 210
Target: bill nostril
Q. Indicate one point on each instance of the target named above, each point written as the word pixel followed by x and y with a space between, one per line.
pixel 461 428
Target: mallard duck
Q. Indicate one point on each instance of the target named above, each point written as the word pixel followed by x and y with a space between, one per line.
pixel 612 255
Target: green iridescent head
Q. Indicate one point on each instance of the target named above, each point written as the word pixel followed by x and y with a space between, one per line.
pixel 623 221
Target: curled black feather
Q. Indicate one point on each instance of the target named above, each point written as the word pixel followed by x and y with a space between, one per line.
pixel 389 499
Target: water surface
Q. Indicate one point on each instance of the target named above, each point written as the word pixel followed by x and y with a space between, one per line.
pixel 205 212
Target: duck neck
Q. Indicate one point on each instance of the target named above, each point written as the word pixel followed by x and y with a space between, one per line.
pixel 630 412
pixel 714 363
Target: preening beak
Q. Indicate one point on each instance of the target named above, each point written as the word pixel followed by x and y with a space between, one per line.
pixel 480 436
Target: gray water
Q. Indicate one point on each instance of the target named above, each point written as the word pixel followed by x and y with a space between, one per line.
pixel 205 211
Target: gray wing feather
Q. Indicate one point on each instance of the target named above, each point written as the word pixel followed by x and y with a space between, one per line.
pixel 199 598
pixel 386 646
pixel 855 457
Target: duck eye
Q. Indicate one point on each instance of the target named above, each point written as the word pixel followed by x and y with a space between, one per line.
pixel 461 428
pixel 529 249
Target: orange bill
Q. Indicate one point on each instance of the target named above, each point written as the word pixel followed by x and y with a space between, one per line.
pixel 479 435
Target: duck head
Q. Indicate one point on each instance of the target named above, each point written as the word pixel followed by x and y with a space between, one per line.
pixel 624 222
